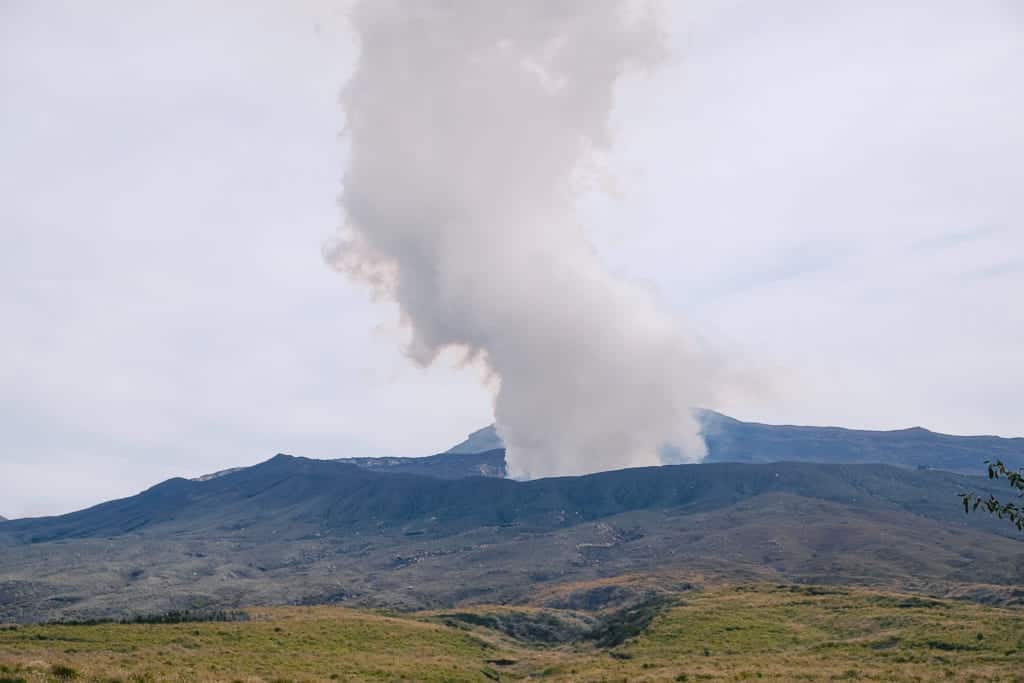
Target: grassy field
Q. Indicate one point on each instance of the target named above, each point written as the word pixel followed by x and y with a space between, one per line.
pixel 723 634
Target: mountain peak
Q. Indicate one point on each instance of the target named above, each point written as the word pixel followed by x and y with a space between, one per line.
pixel 480 441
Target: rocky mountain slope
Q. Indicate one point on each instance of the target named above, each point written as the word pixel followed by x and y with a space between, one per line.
pixel 293 530
pixel 484 439
pixel 731 440
pixel 450 465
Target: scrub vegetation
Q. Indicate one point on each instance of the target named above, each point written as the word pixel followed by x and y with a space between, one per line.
pixel 725 633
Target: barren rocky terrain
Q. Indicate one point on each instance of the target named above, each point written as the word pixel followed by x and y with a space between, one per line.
pixel 299 531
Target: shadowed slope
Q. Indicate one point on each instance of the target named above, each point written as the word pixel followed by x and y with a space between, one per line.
pixel 293 530
pixel 288 495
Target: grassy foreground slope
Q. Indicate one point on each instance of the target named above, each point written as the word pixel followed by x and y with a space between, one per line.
pixel 759 632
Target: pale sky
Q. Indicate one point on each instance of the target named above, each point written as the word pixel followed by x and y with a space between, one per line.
pixel 828 192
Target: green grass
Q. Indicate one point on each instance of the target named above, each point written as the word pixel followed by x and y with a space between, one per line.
pixel 809 634
pixel 725 634
pixel 278 644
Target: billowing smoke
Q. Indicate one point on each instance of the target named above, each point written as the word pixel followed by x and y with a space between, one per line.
pixel 469 123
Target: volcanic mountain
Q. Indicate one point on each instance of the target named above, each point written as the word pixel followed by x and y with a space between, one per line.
pixel 731 440
pixel 370 533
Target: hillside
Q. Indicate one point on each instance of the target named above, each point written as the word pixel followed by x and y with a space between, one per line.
pixel 748 632
pixel 449 465
pixel 293 530
pixel 731 440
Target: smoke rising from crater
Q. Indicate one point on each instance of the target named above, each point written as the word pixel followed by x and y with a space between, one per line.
pixel 469 123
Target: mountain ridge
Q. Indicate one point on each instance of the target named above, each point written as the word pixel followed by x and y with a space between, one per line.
pixel 284 479
pixel 732 440
pixel 293 530
pixel 451 529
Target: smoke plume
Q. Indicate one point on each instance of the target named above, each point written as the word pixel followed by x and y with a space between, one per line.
pixel 468 123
